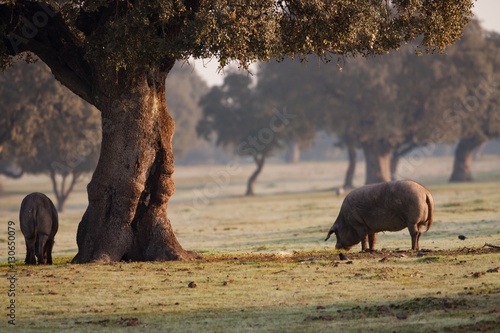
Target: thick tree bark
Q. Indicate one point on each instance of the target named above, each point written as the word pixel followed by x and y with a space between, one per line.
pixel 251 181
pixel 129 192
pixel 351 153
pixel 377 157
pixel 462 171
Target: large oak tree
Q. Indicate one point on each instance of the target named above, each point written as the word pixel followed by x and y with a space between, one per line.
pixel 117 54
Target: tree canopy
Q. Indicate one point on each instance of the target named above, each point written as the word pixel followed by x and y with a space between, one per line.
pixel 74 36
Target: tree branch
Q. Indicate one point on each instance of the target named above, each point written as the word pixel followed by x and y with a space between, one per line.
pixel 34 27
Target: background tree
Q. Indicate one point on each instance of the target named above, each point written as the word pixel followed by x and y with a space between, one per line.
pixel 51 131
pixel 237 118
pixel 394 104
pixel 116 55
pixel 19 109
pixel 309 92
pixel 357 105
pixel 475 114
pixel 279 86
pixel 184 89
pixel 22 90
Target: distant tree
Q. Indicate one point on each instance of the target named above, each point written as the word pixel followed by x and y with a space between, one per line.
pixel 453 97
pixel 184 89
pixel 296 99
pixel 476 116
pixel 9 169
pixel 51 131
pixel 394 104
pixel 116 55
pixel 236 115
pixel 23 90
pixel 67 147
pixel 355 104
pixel 350 144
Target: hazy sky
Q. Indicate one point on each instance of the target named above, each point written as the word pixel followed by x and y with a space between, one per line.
pixel 487 11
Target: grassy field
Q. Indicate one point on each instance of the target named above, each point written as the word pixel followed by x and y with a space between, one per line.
pixel 266 266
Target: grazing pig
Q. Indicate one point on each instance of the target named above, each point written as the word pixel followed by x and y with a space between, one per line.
pixel 39 223
pixel 390 206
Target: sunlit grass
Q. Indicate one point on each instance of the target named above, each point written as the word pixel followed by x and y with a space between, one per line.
pixel 260 293
pixel 266 266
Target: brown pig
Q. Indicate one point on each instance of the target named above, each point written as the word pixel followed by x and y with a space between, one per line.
pixel 390 206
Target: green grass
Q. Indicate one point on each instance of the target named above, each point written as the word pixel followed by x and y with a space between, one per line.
pixel 266 266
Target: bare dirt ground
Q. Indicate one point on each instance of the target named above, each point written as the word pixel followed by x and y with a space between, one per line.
pixel 384 255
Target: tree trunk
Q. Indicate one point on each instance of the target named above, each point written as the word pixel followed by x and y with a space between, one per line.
pixel 377 158
pixel 463 156
pixel 251 181
pixel 351 153
pixel 129 192
pixel 396 157
pixel 293 152
pixel 62 194
pixel 478 153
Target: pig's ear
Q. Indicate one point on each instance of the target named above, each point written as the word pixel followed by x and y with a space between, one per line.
pixel 332 230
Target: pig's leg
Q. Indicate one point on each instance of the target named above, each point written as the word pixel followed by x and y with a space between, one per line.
pixel 419 233
pixel 364 241
pixel 372 239
pixel 48 251
pixel 41 252
pixel 415 236
pixel 30 251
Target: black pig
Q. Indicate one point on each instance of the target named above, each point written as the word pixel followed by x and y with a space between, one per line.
pixel 39 224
